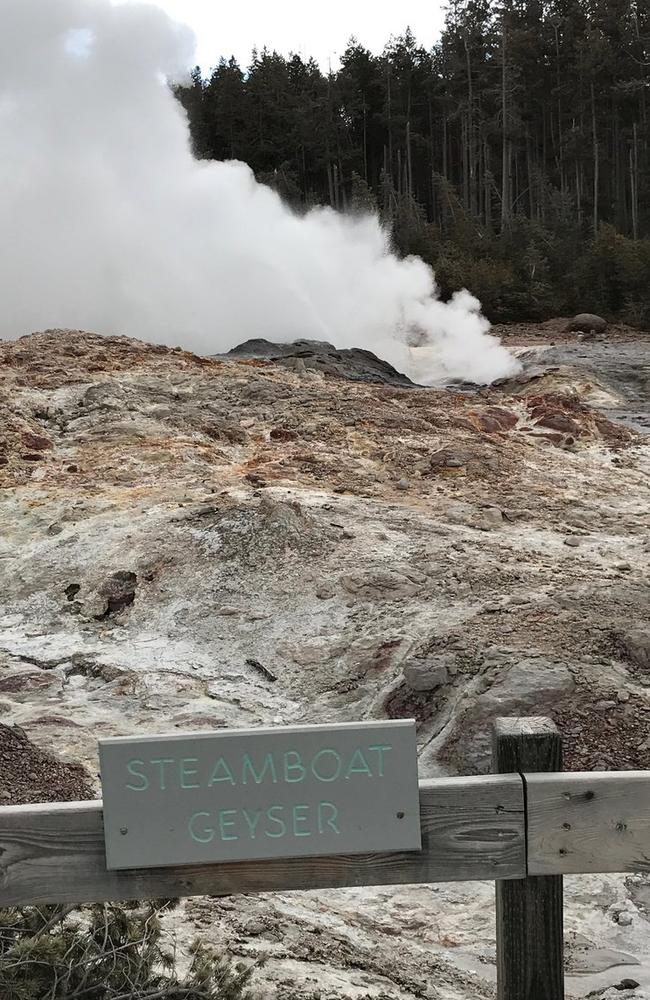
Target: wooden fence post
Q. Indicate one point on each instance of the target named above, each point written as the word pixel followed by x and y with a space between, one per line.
pixel 530 950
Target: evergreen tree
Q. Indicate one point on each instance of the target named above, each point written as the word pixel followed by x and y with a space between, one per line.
pixel 499 155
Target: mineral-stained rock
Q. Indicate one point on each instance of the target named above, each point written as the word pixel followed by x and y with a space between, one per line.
pixel 283 434
pixel 21 683
pixel 375 654
pixel 495 419
pixel 556 420
pixel 37 442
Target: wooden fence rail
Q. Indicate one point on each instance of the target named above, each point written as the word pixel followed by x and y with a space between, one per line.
pixel 593 822
pixel 523 829
pixel 472 829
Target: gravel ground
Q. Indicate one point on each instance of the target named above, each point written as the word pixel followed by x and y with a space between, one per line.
pixel 30 774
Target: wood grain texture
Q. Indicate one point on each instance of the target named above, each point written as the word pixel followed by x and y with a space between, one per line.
pixel 593 822
pixel 530 947
pixel 472 828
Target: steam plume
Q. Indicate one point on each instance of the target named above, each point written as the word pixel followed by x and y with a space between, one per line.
pixel 109 224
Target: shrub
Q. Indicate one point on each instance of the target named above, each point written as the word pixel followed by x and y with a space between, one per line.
pixel 613 273
pixel 107 952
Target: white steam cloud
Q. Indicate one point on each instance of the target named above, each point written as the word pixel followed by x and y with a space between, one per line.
pixel 109 224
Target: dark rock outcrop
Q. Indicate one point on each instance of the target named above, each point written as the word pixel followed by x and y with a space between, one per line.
pixel 316 355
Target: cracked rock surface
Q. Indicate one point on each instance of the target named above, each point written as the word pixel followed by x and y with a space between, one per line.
pixel 192 543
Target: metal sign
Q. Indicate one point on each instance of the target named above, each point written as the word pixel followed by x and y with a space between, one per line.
pixel 233 795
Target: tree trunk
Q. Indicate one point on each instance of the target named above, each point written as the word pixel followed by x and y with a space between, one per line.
pixel 634 183
pixel 471 145
pixel 578 194
pixel 464 146
pixel 409 162
pixel 619 190
pixel 596 160
pixel 531 183
pixel 487 181
pixel 365 142
pixel 506 150
pixel 445 154
pixel 390 119
pixel 432 162
pixel 444 201
pixel 544 162
pixel 387 185
pixel 559 110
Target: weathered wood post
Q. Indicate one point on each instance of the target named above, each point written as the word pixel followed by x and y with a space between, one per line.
pixel 530 951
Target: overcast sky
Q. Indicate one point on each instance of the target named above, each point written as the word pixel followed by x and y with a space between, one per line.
pixel 225 27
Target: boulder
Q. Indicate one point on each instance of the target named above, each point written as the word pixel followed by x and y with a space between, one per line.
pixel 636 644
pixel 389 584
pixel 427 674
pixel 529 684
pixel 587 323
pixel 487 519
pixel 556 420
pixel 495 419
pixel 447 461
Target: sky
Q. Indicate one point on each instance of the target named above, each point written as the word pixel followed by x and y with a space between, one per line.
pixel 234 27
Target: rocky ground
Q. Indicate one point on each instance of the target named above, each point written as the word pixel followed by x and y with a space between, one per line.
pixel 189 543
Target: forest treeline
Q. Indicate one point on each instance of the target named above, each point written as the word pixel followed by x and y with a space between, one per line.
pixel 514 156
